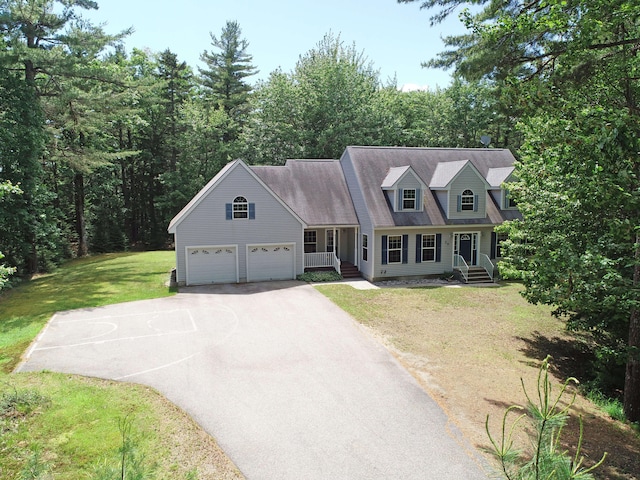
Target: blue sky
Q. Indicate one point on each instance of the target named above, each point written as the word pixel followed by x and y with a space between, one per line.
pixel 396 38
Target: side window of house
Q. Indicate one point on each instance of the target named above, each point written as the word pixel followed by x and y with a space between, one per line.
pixel 310 241
pixel 365 247
pixel 240 208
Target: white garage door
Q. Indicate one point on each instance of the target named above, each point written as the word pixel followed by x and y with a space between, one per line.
pixel 270 262
pixel 211 265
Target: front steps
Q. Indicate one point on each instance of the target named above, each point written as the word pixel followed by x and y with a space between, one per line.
pixel 478 275
pixel 349 270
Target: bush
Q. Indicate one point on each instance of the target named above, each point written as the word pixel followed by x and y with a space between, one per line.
pixel 320 277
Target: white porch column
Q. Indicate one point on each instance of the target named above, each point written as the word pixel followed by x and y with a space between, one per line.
pixel 356 246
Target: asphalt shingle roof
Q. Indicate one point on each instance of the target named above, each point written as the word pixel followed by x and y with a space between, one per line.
pixel 315 189
pixel 372 164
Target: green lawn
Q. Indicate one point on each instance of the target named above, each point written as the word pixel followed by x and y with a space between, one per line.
pixel 471 347
pixel 69 427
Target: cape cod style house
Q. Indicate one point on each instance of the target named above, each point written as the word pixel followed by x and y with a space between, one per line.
pixel 389 211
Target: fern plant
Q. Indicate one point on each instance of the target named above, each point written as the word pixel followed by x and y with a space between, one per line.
pixel 547 416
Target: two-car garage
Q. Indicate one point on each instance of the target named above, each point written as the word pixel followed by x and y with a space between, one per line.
pixel 222 263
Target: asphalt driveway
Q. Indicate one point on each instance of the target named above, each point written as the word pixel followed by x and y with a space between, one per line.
pixel 290 385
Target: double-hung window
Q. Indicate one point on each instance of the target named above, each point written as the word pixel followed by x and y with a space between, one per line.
pixel 310 241
pixel 428 248
pixel 365 247
pixel 394 249
pixel 409 199
pixel 500 237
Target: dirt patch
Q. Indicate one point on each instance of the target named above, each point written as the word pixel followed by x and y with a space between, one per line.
pixel 470 348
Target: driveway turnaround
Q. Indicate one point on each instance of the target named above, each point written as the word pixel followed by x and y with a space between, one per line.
pixel 290 385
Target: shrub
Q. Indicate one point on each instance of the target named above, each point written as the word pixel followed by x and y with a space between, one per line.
pixel 320 277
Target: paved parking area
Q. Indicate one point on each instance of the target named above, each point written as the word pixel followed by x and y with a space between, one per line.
pixel 290 386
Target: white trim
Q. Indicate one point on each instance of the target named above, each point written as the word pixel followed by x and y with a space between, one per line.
pixel 456 245
pixel 465 164
pixel 201 195
pixel 304 243
pixel 423 248
pixel 415 200
pixel 400 249
pixel 277 244
pixel 186 259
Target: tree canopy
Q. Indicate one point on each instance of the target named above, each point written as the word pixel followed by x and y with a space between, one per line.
pixel 570 68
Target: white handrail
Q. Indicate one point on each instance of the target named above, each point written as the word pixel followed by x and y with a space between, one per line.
pixel 322 259
pixel 461 264
pixel 487 264
pixel 336 263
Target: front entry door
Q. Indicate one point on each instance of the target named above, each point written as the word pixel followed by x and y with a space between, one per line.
pixel 466 247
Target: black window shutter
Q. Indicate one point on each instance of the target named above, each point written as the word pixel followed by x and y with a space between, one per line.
pixel 438 247
pixel 252 211
pixel 418 248
pixel 405 248
pixel 229 211
pixel 494 239
pixel 459 203
pixel 418 199
pixel 384 249
pixel 475 203
pixel 400 197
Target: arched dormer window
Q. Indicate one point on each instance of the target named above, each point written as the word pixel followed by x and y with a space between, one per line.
pixel 467 201
pixel 240 208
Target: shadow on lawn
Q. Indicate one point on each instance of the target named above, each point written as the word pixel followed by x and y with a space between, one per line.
pixel 571 356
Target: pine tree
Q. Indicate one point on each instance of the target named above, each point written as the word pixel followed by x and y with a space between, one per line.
pixel 224 79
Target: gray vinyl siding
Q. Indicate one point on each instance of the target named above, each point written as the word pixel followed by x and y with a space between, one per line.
pixel 366 226
pixel 424 269
pixel 409 181
pixel 498 197
pixel 467 179
pixel 411 268
pixel 443 198
pixel 206 223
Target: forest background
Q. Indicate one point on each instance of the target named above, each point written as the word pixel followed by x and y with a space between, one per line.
pixel 100 147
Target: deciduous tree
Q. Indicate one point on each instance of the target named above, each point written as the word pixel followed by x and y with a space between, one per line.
pixel 571 67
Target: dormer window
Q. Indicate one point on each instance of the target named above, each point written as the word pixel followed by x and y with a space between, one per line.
pixel 467 201
pixel 409 199
pixel 240 208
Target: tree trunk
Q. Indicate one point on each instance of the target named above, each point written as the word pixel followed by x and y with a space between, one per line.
pixel 81 228
pixel 632 376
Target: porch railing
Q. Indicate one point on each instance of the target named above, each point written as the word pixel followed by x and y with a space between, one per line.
pixel 322 259
pixel 460 264
pixel 487 264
